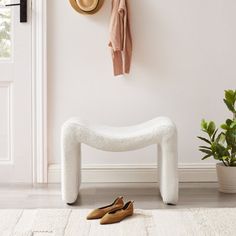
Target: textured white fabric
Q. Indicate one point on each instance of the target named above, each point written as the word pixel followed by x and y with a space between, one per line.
pixel 160 131
pixel 196 222
pixel 8 219
pixel 67 222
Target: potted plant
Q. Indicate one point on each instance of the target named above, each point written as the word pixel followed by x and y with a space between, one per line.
pixel 221 145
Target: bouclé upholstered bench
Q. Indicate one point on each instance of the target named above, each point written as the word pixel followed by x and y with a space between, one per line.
pixel 160 131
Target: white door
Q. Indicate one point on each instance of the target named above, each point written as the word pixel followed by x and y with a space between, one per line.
pixel 15 96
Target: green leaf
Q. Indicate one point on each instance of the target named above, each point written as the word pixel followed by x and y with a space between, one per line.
pixel 218 138
pixel 230 137
pixel 204 125
pixel 204 139
pixel 205 157
pixel 225 158
pixel 211 128
pixel 216 156
pixel 222 151
pixel 209 148
pixel 229 105
pixel 224 126
pixel 222 137
pixel 214 135
pixel 228 122
pixel 206 151
pixel 233 160
pixel 229 96
pixel 233 124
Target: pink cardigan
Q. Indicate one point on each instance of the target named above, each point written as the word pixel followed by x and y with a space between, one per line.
pixel 120 37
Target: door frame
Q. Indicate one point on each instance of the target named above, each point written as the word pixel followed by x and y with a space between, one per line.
pixel 39 91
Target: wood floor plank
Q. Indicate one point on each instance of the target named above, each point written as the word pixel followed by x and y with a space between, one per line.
pixel 145 195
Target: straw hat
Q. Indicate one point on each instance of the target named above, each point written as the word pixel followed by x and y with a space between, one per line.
pixel 86 6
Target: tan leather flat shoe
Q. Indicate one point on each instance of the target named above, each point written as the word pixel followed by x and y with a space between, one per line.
pixel 118 215
pixel 100 212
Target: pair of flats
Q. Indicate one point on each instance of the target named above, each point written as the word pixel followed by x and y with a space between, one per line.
pixel 113 213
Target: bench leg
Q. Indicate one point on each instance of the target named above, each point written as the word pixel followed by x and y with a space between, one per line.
pixel 168 170
pixel 71 167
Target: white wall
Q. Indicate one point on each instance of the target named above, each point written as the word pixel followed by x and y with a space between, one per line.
pixel 184 57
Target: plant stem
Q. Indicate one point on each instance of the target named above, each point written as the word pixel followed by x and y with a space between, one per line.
pixel 224 162
pixel 228 163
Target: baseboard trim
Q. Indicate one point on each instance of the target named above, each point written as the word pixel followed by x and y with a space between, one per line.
pixel 194 172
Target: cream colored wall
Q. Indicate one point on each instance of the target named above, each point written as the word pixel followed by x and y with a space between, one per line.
pixel 184 57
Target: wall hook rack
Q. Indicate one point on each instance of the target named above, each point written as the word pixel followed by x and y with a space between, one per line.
pixel 23 9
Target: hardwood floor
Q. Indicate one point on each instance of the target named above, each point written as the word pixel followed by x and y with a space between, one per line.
pixel 145 195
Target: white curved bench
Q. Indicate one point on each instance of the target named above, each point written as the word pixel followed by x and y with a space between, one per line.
pixel 160 131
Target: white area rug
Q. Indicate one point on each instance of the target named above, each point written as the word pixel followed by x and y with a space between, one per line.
pixel 58 222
